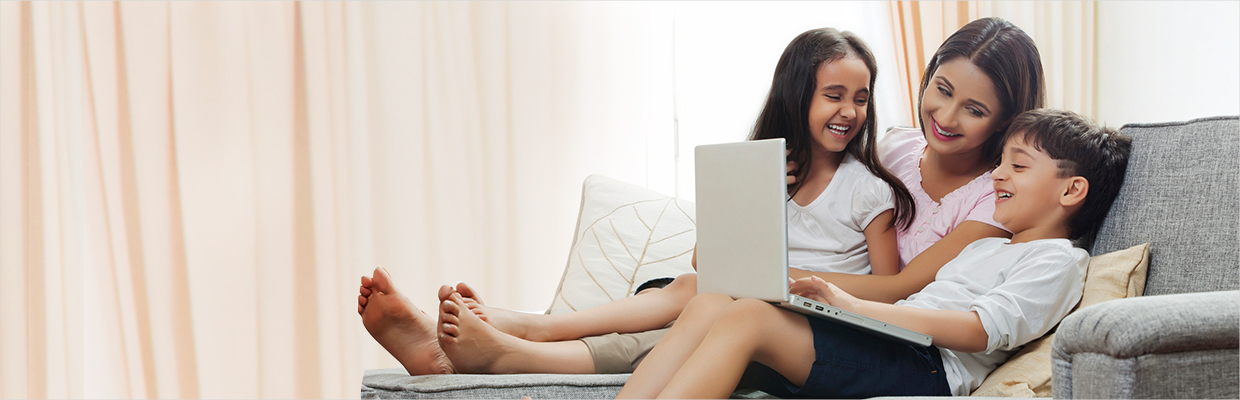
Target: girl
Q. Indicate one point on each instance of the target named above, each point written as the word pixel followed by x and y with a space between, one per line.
pixel 826 78
pixel 978 80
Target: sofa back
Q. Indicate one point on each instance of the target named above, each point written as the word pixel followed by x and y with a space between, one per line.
pixel 1179 195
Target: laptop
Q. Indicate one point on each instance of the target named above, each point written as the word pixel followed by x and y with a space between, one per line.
pixel 742 233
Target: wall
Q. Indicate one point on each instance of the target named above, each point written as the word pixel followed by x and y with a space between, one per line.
pixel 1167 61
pixel 725 55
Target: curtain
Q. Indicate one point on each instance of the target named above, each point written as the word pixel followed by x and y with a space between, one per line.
pixel 192 189
pixel 1064 31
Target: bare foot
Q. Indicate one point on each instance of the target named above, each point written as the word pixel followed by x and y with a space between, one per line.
pixel 474 346
pixel 523 325
pixel 403 330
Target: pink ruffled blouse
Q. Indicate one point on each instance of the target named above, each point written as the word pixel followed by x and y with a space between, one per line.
pixel 901 151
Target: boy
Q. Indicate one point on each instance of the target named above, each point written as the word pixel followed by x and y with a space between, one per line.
pixel 1057 179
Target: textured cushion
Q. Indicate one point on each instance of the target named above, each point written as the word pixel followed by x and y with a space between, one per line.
pixel 1180 196
pixel 626 235
pixel 394 383
pixel 1110 276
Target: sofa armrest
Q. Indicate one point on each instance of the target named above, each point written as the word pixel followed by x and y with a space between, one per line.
pixel 1182 345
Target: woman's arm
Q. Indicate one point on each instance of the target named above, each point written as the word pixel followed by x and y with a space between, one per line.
pixel 880 240
pixel 917 274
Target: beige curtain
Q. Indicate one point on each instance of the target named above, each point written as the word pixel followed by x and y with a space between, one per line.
pixel 192 189
pixel 1064 31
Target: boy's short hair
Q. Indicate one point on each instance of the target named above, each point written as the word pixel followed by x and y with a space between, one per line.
pixel 1081 148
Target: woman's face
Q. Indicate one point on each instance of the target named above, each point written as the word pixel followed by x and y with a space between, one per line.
pixel 838 109
pixel 959 109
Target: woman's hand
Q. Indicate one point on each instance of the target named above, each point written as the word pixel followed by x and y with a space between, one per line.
pixel 792 169
pixel 815 288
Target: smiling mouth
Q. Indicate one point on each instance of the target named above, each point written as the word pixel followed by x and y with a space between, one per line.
pixel 838 130
pixel 942 132
pixel 1002 195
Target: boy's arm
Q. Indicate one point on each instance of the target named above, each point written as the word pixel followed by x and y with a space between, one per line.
pixel 917 274
pixel 955 330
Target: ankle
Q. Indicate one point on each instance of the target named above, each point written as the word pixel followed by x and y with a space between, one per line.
pixel 542 328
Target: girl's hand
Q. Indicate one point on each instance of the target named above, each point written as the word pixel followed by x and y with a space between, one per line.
pixel 792 169
pixel 815 288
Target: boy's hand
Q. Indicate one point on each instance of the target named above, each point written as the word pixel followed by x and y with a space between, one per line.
pixel 815 288
pixel 792 169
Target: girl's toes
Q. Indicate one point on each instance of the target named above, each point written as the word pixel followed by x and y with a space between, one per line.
pixel 451 330
pixel 448 307
pixel 444 292
pixel 450 319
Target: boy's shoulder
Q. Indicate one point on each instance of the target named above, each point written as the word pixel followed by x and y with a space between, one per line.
pixel 1055 250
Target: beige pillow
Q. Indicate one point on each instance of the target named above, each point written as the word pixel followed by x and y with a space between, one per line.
pixel 1110 276
pixel 626 235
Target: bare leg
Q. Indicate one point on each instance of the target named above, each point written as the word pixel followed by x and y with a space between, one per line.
pixel 403 330
pixel 667 357
pixel 749 330
pixel 649 311
pixel 476 347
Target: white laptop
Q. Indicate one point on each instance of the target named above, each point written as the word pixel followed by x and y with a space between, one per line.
pixel 742 233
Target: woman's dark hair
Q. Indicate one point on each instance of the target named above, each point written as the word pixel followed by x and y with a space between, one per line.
pixel 786 113
pixel 1008 56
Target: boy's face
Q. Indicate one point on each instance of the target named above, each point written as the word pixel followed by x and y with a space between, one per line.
pixel 1028 189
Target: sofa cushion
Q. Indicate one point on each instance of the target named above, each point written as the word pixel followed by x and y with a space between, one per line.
pixel 1110 276
pixel 626 235
pixel 394 383
pixel 1179 196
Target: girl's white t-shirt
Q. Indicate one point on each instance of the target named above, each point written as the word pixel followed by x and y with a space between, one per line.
pixel 828 234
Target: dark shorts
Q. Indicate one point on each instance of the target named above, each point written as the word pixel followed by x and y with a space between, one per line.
pixel 852 364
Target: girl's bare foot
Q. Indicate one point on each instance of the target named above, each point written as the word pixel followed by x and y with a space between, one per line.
pixel 474 346
pixel 519 324
pixel 403 330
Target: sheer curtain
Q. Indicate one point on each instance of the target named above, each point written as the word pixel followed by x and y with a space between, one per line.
pixel 1064 31
pixel 192 189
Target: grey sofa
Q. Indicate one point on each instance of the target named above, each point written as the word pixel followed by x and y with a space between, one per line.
pixel 1177 341
pixel 1180 339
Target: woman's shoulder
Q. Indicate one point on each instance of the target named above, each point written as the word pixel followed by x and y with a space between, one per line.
pixel 900 143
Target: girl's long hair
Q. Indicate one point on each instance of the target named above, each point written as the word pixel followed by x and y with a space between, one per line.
pixel 786 113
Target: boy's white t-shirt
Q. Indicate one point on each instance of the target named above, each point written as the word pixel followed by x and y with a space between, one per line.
pixel 1020 291
pixel 828 234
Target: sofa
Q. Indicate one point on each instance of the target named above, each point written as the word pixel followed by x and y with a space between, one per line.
pixel 1175 335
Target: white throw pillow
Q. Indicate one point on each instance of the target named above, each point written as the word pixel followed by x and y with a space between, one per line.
pixel 626 235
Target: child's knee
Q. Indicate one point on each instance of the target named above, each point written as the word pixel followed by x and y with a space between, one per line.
pixel 749 312
pixel 684 285
pixel 710 303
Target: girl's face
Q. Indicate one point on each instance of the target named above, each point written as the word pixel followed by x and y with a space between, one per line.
pixel 959 109
pixel 839 105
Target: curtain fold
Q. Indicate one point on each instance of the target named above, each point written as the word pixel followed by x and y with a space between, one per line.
pixel 192 189
pixel 1064 31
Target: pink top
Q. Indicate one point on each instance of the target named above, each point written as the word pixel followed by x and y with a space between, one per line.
pixel 901 150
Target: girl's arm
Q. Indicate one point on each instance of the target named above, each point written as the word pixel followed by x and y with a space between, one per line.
pixel 917 274
pixel 955 330
pixel 880 239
